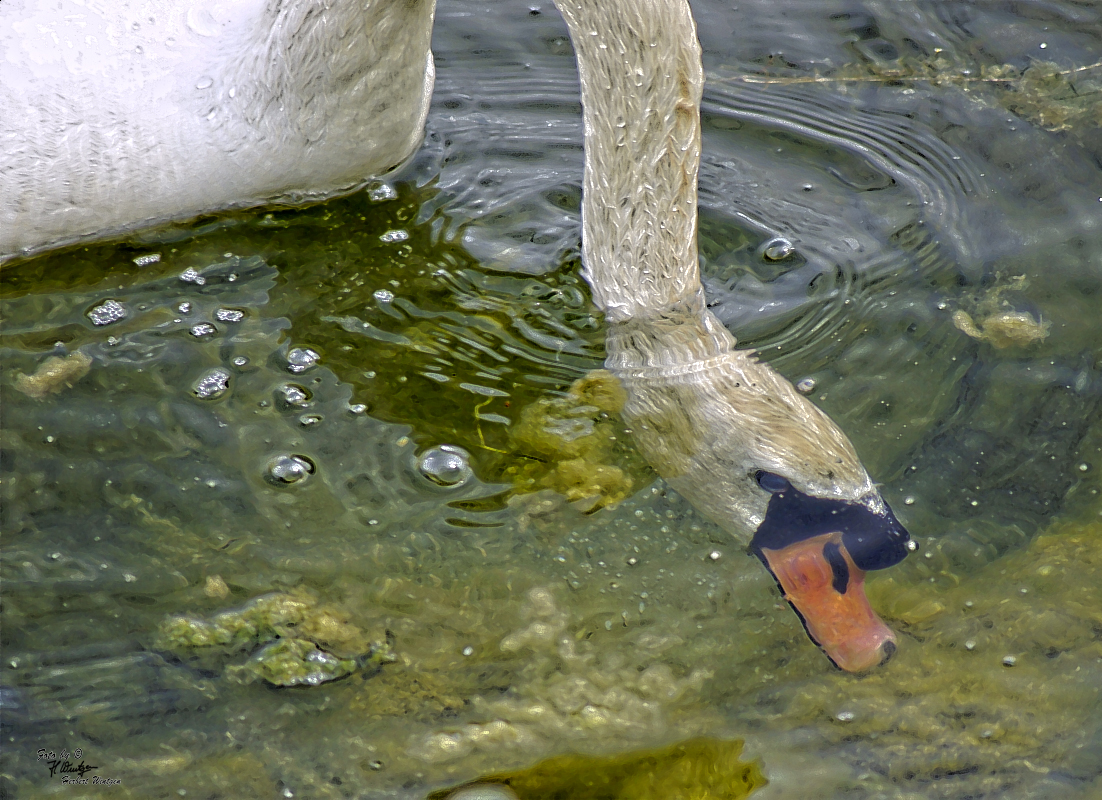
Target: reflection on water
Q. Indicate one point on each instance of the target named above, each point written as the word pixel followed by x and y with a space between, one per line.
pixel 365 408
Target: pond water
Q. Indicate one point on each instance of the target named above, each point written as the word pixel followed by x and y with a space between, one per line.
pixel 341 443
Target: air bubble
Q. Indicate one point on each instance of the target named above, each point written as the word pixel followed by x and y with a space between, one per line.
pixel 291 396
pixel 394 236
pixel 240 361
pixel 301 359
pixel 445 465
pixel 229 315
pixel 191 275
pixel 146 260
pixel 383 192
pixel 212 385
pixel 107 312
pixel 287 469
pixel 777 249
pixel 384 296
pixel 805 385
pixel 203 330
pixel 309 420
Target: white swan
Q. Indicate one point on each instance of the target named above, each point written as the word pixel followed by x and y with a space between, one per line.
pixel 119 114
pixel 730 434
pixel 111 119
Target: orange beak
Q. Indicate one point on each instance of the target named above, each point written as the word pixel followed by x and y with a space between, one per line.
pixel 824 586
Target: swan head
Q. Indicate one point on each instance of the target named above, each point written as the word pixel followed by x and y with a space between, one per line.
pixel 818 549
pixel 738 441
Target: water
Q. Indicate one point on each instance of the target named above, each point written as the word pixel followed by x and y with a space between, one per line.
pixel 350 429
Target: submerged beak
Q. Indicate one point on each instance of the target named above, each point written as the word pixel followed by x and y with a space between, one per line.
pixel 824 586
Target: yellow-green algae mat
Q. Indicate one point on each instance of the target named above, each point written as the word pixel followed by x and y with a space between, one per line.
pixel 700 769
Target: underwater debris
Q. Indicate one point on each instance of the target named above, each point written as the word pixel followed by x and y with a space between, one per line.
pixel 53 375
pixel 1045 95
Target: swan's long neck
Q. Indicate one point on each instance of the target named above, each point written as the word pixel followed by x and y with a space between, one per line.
pixel 641 76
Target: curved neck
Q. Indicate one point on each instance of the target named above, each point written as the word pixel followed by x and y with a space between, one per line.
pixel 641 76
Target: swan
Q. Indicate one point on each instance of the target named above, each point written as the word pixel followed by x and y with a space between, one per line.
pixel 118 115
pixel 726 431
pixel 122 114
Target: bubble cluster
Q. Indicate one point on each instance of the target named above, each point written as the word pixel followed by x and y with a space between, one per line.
pixel 291 396
pixel 301 359
pixel 229 315
pixel 212 385
pixel 383 192
pixel 191 275
pixel 107 312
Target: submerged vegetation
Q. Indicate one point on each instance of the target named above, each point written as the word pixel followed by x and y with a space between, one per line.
pixel 699 769
pixel 293 628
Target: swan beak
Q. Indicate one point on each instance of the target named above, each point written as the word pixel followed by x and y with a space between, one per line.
pixel 824 586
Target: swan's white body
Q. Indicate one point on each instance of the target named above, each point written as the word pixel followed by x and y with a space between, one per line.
pixel 118 114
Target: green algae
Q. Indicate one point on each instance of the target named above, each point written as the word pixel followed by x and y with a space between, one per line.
pixel 416 327
pixel 577 445
pixel 699 769
pixel 295 662
pixel 299 626
pixel 1003 328
pixel 995 320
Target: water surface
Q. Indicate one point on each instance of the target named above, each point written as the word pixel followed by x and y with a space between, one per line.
pixel 248 443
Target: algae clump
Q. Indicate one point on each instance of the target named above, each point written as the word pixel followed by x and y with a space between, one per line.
pixel 295 627
pixel 53 375
pixel 996 322
pixel 699 769
pixel 575 444
pixel 293 662
pixel 1004 328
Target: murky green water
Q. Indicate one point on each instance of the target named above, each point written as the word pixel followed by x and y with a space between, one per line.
pixel 234 459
